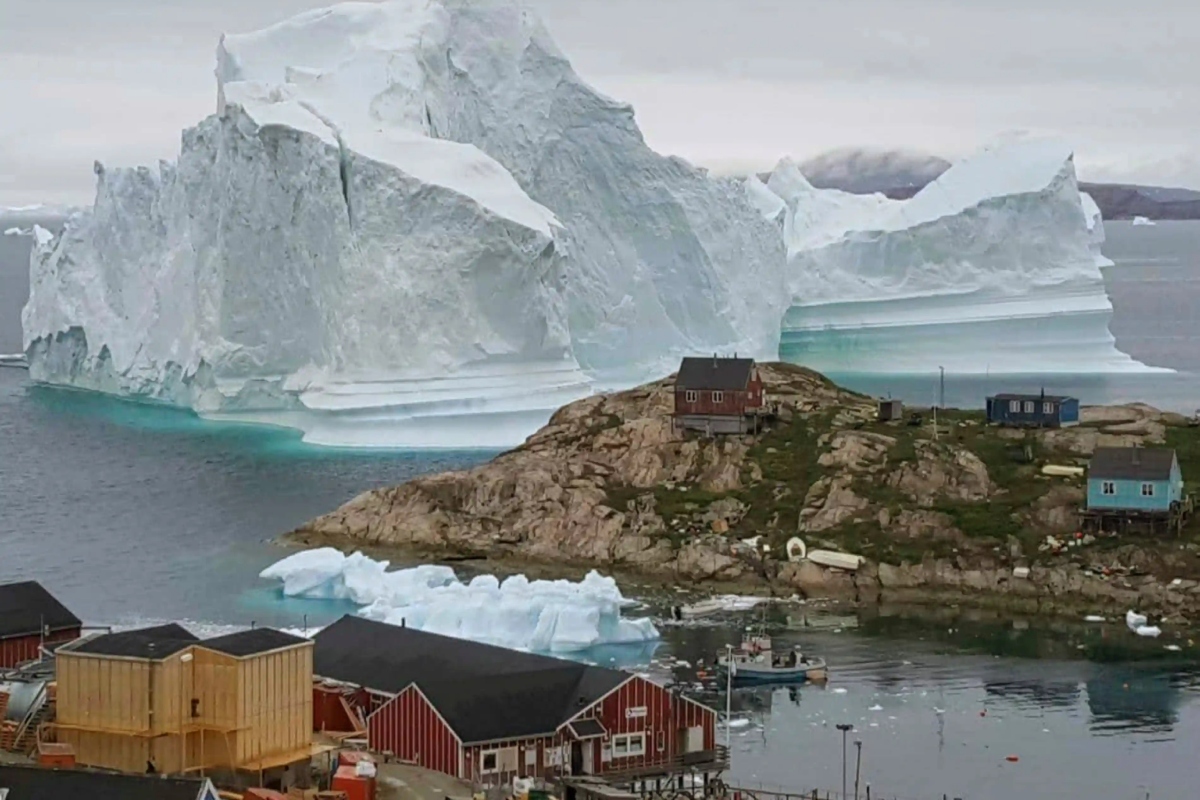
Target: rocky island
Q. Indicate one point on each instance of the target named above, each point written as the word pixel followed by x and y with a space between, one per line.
pixel 961 513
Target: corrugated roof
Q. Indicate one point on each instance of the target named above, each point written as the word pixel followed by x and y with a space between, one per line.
pixel 1132 463
pixel 250 642
pixel 719 374
pixel 587 728
pixel 26 606
pixel 38 783
pixel 157 642
pixel 483 692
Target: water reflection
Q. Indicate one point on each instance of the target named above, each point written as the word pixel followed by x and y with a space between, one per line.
pixel 1124 700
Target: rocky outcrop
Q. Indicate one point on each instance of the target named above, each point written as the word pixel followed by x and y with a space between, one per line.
pixel 611 482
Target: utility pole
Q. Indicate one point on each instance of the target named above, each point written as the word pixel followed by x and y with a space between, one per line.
pixel 857 766
pixel 941 387
pixel 845 729
pixel 728 692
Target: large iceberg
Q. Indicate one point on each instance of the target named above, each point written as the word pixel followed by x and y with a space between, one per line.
pixel 541 616
pixel 410 223
pixel 402 214
pixel 992 267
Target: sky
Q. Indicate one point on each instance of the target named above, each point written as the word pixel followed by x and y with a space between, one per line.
pixel 730 84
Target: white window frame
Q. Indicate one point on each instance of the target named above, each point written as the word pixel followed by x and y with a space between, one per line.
pixel 691 395
pixel 531 756
pixel 1147 490
pixel 483 768
pixel 1108 488
pixel 1047 407
pixel 718 397
pixel 1029 406
pixel 1014 406
pixel 628 745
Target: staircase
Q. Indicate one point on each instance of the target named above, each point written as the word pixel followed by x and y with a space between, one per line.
pixel 25 738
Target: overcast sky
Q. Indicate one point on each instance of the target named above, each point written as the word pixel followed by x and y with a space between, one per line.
pixel 731 84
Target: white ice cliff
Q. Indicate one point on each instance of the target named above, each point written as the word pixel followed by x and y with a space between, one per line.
pixel 542 616
pixel 410 223
pixel 993 267
pixel 403 217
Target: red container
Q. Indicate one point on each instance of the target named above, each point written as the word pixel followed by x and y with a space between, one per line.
pixel 356 788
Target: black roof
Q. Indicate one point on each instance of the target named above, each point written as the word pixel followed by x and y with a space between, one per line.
pixel 710 372
pixel 483 692
pixel 253 641
pixel 157 642
pixel 26 606
pixel 1050 398
pixel 1132 463
pixel 587 728
pixel 38 783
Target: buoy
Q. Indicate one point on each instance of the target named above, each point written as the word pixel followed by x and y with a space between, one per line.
pixel 983 712
pixel 1013 759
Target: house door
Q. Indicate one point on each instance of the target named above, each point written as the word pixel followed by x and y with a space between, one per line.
pixel 576 758
pixel 589 754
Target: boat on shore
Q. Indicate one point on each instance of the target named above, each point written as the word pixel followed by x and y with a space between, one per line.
pixel 757 661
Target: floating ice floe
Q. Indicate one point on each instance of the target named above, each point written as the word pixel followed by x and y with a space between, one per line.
pixel 1134 620
pixel 540 615
pixel 1152 631
pixel 1093 618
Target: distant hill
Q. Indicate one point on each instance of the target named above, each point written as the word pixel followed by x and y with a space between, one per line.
pixel 900 174
pixel 862 171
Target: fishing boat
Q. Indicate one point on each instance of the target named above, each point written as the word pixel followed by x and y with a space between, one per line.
pixel 756 661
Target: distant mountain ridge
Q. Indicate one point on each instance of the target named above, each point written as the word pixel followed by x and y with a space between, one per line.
pixel 900 174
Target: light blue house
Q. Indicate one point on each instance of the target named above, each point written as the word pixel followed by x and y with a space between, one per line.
pixel 1134 479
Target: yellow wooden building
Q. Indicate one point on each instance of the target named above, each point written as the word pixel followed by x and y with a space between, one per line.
pixel 159 698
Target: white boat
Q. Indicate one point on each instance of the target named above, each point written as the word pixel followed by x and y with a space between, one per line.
pixel 13 360
pixel 715 605
pixel 831 558
pixel 756 661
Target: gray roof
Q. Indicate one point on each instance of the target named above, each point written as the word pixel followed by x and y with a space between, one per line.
pixel 252 642
pixel 38 783
pixel 1051 398
pixel 25 607
pixel 1132 463
pixel 483 692
pixel 712 373
pixel 156 643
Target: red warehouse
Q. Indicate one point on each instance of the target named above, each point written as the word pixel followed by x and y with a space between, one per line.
pixel 29 617
pixel 718 395
pixel 488 714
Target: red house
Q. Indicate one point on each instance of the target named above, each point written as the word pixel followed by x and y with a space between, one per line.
pixel 488 714
pixel 718 395
pixel 30 617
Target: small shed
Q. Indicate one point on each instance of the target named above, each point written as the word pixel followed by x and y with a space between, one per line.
pixel 161 697
pixel 718 395
pixel 890 409
pixel 1142 479
pixel 29 617
pixel 1033 410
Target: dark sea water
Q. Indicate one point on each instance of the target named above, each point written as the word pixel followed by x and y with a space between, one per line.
pixel 136 514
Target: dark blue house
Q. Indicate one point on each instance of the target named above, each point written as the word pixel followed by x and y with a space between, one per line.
pixel 1033 410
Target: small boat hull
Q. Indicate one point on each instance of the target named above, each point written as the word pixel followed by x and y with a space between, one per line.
pixel 814 671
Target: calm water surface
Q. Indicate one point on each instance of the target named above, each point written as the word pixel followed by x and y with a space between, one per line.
pixel 135 514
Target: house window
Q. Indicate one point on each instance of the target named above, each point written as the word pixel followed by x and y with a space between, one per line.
pixel 489 760
pixel 531 755
pixel 1108 488
pixel 1147 490
pixel 1028 406
pixel 660 741
pixel 690 395
pixel 1047 408
pixel 1014 406
pixel 718 397
pixel 627 745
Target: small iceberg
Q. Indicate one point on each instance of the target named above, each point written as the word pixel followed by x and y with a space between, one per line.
pixel 1151 631
pixel 1135 620
pixel 1093 618
pixel 1143 221
pixel 540 615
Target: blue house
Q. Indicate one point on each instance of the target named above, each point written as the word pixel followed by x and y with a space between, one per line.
pixel 1033 410
pixel 1138 480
